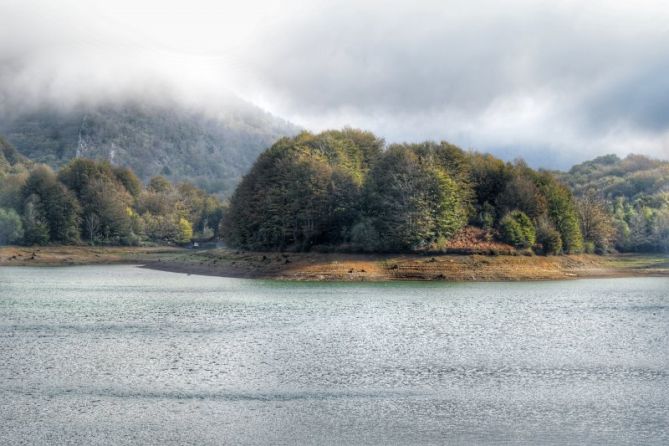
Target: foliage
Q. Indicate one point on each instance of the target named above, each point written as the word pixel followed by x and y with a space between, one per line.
pixel 340 188
pixel 11 228
pixel 103 204
pixel 548 238
pixel 364 236
pixel 36 227
pixel 635 195
pixel 561 210
pixel 303 191
pixel 185 231
pixel 518 230
pixel 52 204
pixel 413 202
pixel 596 223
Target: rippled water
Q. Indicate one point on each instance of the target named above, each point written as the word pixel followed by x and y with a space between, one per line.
pixel 123 355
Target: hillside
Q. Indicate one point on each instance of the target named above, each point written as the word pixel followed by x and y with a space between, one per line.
pixel 10 158
pixel 152 137
pixel 633 177
pixel 636 191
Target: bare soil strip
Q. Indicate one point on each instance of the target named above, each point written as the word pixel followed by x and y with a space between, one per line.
pixel 344 267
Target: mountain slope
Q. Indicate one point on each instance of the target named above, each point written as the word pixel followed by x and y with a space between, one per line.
pixel 152 137
pixel 636 190
pixel 632 177
pixel 10 158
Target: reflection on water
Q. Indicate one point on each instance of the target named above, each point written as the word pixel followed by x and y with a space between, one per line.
pixel 123 355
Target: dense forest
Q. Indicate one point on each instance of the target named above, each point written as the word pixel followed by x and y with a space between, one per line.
pixel 344 190
pixel 94 202
pixel 347 191
pixel 635 194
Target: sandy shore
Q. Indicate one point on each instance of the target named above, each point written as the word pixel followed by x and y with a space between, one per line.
pixel 344 267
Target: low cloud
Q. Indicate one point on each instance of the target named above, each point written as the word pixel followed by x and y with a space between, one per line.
pixel 554 83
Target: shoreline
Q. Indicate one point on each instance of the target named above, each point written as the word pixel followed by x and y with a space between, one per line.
pixel 345 267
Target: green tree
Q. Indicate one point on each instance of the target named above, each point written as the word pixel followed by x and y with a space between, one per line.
pixel 11 228
pixel 518 230
pixel 52 204
pixel 413 204
pixel 104 200
pixel 36 228
pixel 561 210
pixel 522 193
pixel 548 238
pixel 10 190
pixel 301 192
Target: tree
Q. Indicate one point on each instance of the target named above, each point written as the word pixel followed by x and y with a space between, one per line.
pixel 561 210
pixel 185 231
pixel 413 204
pixel 364 236
pixel 52 205
pixel 103 197
pixel 109 204
pixel 128 179
pixel 489 177
pixel 11 228
pixel 518 230
pixel 36 229
pixel 548 238
pixel 596 222
pixel 91 226
pixel 522 193
pixel 159 184
pixel 10 190
pixel 302 192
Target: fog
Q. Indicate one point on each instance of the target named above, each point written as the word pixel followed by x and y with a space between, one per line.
pixel 554 83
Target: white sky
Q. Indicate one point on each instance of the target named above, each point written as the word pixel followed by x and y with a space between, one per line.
pixel 555 82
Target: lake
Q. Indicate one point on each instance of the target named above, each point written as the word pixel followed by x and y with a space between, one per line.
pixel 125 355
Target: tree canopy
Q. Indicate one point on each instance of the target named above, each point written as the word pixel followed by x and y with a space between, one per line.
pixel 345 190
pixel 99 203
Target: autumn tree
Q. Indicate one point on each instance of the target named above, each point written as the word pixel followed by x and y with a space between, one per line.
pixel 596 222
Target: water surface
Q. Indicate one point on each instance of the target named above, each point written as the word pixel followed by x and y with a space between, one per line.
pixel 123 355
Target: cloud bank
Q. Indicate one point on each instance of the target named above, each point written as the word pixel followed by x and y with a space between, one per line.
pixel 555 83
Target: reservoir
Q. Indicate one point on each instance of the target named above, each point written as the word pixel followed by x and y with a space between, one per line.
pixel 125 355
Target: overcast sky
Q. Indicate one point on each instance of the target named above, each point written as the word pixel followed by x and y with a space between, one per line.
pixel 553 82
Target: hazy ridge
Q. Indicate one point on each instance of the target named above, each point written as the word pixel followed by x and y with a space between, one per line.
pixel 157 137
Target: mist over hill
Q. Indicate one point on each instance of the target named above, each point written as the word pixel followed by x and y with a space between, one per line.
pixel 210 147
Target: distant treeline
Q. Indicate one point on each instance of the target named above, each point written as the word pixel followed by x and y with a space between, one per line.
pixel 343 190
pixel 95 202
